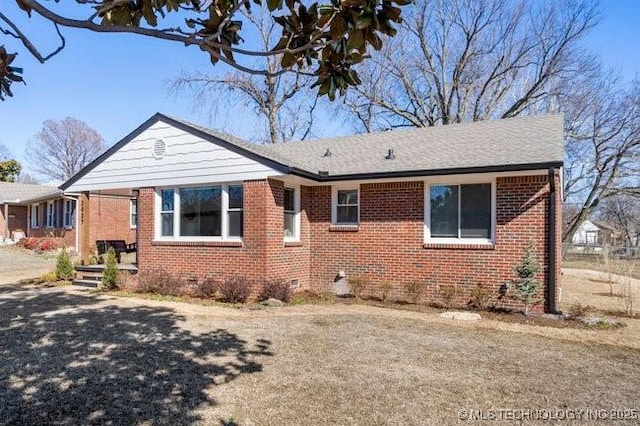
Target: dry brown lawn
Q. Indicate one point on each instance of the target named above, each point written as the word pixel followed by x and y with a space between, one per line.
pixel 75 357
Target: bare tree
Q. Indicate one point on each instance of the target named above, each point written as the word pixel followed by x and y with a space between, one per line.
pixel 465 60
pixel 63 148
pixel 283 101
pixel 602 140
pixel 623 210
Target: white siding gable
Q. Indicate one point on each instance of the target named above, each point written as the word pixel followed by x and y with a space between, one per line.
pixel 187 160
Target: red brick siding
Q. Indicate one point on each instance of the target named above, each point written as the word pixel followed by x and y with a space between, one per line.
pixel 18 223
pixel 388 245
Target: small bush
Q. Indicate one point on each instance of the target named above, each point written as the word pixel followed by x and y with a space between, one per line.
pixel 305 297
pixel 578 310
pixel 110 273
pixel 64 265
pixel 41 243
pixel 157 281
pixel 207 289
pixel 358 284
pixel 275 289
pixel 415 290
pixel 49 277
pixel 235 290
pixel 386 287
pixel 448 293
pixel 480 297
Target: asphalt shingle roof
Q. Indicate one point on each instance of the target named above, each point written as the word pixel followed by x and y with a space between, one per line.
pixel 496 143
pixel 23 193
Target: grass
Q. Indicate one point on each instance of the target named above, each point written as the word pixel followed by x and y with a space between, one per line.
pixel 596 263
pixel 73 356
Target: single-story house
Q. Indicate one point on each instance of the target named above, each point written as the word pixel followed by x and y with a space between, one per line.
pixel 44 211
pixel 593 233
pixel 454 205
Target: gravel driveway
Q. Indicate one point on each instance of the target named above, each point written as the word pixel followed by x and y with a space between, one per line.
pixel 17 263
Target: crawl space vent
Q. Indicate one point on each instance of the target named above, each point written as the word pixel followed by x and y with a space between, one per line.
pixel 159 148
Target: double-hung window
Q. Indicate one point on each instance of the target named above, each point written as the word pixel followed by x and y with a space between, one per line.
pixel 460 212
pixel 133 213
pixel 35 214
pixel 346 206
pixel 68 210
pixel 200 213
pixel 51 214
pixel 291 214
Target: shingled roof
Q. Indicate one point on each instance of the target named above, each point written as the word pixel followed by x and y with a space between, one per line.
pixel 22 193
pixel 509 144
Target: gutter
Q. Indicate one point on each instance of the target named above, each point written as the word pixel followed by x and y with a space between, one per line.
pixel 552 242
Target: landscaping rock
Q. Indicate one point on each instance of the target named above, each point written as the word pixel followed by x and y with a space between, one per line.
pixel 602 322
pixel 274 303
pixel 461 316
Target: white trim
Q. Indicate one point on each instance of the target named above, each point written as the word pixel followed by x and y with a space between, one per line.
pixel 224 231
pixel 133 225
pixel 458 180
pixel 334 202
pixel 296 218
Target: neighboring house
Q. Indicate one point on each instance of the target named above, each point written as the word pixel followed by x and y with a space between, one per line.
pixel 595 234
pixel 44 211
pixel 453 205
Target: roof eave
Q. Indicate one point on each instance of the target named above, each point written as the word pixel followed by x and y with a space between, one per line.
pixel 420 173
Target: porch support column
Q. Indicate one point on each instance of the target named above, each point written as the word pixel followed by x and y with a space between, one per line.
pixel 6 221
pixel 84 226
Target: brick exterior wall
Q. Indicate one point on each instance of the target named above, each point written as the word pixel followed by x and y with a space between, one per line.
pixel 109 221
pixel 17 220
pixel 388 245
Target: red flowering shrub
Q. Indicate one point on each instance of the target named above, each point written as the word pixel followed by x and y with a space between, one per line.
pixel 42 243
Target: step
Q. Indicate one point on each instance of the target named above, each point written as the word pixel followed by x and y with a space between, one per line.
pixel 84 277
pixel 86 283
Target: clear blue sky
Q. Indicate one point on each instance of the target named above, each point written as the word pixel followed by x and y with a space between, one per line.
pixel 115 82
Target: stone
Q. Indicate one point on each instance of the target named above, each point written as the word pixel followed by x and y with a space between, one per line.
pixel 461 316
pixel 274 303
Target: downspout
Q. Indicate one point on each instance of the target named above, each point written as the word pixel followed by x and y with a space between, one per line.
pixel 552 241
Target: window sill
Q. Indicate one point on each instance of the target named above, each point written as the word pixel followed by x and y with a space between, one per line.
pixel 293 243
pixel 197 243
pixel 459 245
pixel 344 228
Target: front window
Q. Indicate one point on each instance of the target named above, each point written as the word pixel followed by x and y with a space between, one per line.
pixel 51 214
pixel 346 207
pixel 461 211
pixel 201 212
pixel 68 210
pixel 133 213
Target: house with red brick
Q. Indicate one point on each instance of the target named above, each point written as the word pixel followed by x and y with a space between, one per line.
pixel 452 206
pixel 44 211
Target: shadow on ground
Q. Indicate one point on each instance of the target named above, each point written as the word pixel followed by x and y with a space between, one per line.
pixel 65 360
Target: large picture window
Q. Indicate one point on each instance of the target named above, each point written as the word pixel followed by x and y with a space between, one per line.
pixel 207 212
pixel 460 211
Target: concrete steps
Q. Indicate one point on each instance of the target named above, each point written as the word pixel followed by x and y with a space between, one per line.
pixel 91 275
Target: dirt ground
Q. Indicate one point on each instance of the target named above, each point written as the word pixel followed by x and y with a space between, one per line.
pixel 75 357
pixel 593 288
pixel 17 263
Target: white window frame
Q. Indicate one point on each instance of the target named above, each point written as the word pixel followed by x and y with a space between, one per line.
pixel 51 215
pixel 34 220
pixel 458 180
pixel 67 213
pixel 133 224
pixel 176 214
pixel 296 215
pixel 334 204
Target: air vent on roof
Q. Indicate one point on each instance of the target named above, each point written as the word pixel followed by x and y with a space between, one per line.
pixel 327 153
pixel 390 155
pixel 159 148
